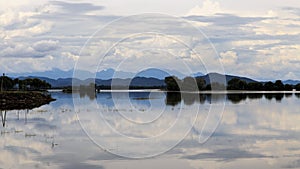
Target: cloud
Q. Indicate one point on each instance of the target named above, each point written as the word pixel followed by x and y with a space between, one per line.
pixel 57 30
pixel 21 24
pixel 266 45
pixel 293 10
pixel 226 155
pixel 82 165
pixel 11 17
pixel 70 55
pixel 294 164
pixel 46 45
pixel 76 8
pixel 20 51
pixel 36 50
pixel 229 58
pixel 208 8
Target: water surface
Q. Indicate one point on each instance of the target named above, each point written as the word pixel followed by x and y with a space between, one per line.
pixel 255 131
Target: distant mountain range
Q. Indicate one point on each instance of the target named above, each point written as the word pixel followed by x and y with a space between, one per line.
pixel 136 81
pixel 146 78
pixel 216 77
pixel 104 74
pixel 291 82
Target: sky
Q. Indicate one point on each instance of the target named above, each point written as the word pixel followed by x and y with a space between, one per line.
pixel 258 38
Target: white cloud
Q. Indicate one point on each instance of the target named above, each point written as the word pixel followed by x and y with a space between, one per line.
pixel 290 75
pixel 11 17
pixel 229 58
pixel 252 43
pixel 22 24
pixel 251 38
pixel 39 28
pixel 19 50
pixel 209 7
pixel 70 55
pixel 36 50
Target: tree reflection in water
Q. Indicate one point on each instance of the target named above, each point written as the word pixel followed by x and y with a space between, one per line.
pixel 4 113
pixel 278 96
pixel 175 98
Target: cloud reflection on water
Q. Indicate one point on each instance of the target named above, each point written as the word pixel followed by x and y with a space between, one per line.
pixel 257 129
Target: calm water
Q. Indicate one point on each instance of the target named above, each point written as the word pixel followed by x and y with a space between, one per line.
pixel 176 131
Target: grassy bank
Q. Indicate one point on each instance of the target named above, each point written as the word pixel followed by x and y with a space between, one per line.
pixel 16 100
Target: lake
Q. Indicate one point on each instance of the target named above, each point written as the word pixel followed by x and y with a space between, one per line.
pixel 153 129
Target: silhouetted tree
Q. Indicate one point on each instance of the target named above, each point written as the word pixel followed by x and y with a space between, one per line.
pixel 269 86
pixel 255 86
pixel 297 87
pixel 236 84
pixel 279 86
pixel 33 84
pixel 201 83
pixel 288 87
pixel 6 82
pixel 215 86
pixel 189 84
pixel 173 83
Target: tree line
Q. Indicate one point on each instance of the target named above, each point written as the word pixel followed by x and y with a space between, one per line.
pixel 199 84
pixel 25 84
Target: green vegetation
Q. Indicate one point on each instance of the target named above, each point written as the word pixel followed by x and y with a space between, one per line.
pixel 6 83
pixel 199 84
pixel 26 84
pixel 297 87
pixel 173 83
pixel 288 87
pixel 33 84
pixel 255 86
pixel 187 84
pixel 215 86
pixel 23 94
pixel 236 84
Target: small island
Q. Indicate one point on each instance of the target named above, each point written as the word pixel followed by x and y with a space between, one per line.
pixel 23 94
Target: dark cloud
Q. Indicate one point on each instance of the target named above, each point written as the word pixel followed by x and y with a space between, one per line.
pixel 82 166
pixel 226 19
pixel 294 164
pixel 292 10
pixel 20 150
pixel 46 46
pixel 226 155
pixel 45 127
pixel 76 8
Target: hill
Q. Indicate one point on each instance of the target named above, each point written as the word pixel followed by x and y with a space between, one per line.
pixel 136 81
pixel 216 77
pixel 105 74
pixel 291 82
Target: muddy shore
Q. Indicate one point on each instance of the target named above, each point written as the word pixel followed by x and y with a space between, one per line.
pixel 23 100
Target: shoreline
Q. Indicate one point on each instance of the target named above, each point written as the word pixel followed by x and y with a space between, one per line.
pixel 200 92
pixel 18 100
